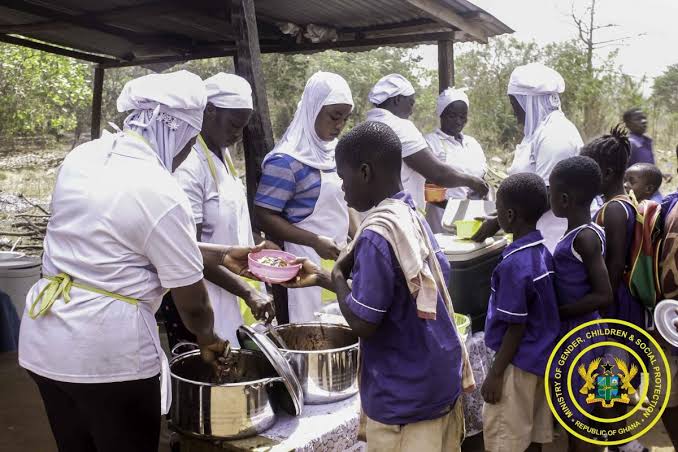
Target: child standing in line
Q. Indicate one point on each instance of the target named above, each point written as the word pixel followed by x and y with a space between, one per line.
pixel 644 179
pixel 522 324
pixel 581 280
pixel 617 216
pixel 413 364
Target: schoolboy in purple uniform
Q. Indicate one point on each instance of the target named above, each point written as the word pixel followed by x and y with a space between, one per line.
pixel 522 324
pixel 641 145
pixel 411 368
pixel 581 279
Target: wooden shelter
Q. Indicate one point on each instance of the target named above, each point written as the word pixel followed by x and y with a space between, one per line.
pixel 118 33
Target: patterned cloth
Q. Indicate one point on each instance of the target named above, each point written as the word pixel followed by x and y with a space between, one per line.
pixel 481 361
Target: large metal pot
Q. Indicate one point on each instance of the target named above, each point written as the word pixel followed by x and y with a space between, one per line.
pixel 324 357
pixel 239 408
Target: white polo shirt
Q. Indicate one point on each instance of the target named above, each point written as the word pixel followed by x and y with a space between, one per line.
pixel 412 142
pixel 119 223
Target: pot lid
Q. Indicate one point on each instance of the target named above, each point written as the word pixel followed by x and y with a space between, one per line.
pixel 293 397
pixel 664 315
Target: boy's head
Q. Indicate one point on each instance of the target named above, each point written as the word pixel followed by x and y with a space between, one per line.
pixel 611 153
pixel 644 179
pixel 521 201
pixel 573 184
pixel 635 121
pixel 368 161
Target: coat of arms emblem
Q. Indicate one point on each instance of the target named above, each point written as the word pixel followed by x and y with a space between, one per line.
pixel 607 387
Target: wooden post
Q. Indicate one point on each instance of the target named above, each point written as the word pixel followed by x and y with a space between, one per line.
pixel 445 64
pixel 258 135
pixel 97 91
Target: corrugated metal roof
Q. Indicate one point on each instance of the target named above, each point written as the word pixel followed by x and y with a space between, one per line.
pixel 175 27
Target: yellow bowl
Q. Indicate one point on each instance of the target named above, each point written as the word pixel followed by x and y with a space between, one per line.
pixel 467 228
pixel 434 193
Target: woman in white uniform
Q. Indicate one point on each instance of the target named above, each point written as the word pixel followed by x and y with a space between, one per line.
pixel 549 137
pixel 460 151
pixel 121 233
pixel 299 199
pixel 219 204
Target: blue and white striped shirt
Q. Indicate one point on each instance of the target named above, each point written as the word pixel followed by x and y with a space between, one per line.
pixel 289 187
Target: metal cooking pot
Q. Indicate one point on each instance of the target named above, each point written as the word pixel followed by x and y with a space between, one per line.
pixel 324 357
pixel 237 409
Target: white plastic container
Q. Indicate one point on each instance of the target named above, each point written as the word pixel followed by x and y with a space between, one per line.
pixel 17 277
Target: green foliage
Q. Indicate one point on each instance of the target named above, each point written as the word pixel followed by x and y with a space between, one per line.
pixel 42 93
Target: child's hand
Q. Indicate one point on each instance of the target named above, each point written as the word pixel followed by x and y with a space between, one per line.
pixel 492 388
pixel 326 248
pixel 310 275
pixel 488 229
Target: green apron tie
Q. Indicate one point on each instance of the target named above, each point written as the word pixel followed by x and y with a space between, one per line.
pixel 60 287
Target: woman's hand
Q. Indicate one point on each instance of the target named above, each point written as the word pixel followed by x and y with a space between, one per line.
pixel 235 259
pixel 488 229
pixel 213 350
pixel 479 186
pixel 326 248
pixel 310 275
pixel 261 305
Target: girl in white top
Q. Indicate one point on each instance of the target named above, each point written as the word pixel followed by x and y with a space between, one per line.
pixel 451 146
pixel 121 232
pixel 219 202
pixel 312 187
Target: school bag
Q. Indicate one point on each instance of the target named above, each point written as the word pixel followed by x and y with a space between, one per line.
pixel 668 259
pixel 642 272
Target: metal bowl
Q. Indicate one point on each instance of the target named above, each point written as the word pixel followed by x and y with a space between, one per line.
pixel 325 358
pixel 239 408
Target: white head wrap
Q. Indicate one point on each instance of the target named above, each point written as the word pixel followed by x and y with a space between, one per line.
pixel 390 86
pixel 300 139
pixel 536 88
pixel 448 96
pixel 228 91
pixel 168 110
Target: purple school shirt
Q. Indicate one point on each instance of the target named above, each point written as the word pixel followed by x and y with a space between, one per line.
pixel 641 149
pixel 411 367
pixel 523 292
pixel 571 278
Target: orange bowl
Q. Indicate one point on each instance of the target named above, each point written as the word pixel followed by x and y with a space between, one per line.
pixel 434 193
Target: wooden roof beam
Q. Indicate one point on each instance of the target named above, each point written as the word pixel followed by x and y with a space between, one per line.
pixel 55 50
pixel 442 13
pixel 86 21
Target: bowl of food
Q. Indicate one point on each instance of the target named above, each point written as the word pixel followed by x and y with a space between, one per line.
pixel 273 266
pixel 434 193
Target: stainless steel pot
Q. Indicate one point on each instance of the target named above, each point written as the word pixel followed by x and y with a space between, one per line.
pixel 239 408
pixel 324 357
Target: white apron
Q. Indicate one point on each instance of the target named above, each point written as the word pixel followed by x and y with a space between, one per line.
pixel 550 226
pixel 329 219
pixel 233 228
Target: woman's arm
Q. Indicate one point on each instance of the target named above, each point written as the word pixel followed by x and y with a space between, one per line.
pixel 587 245
pixel 439 173
pixel 274 225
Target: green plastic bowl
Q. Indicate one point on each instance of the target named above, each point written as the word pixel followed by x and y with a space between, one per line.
pixel 467 228
pixel 463 323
